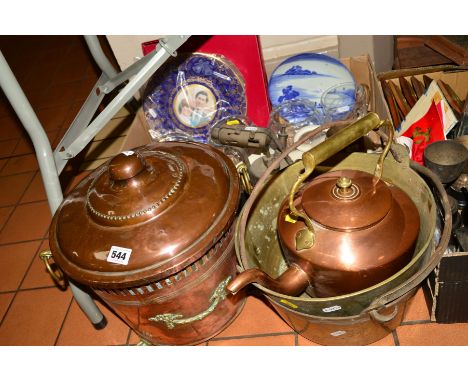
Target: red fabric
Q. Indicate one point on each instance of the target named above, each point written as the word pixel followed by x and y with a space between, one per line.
pixel 425 131
pixel 244 52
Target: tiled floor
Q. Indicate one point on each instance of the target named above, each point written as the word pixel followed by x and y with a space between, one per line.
pixel 57 74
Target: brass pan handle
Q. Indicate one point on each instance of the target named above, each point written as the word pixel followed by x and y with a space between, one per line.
pixel 306 237
pixel 56 275
pixel 173 319
pixel 383 318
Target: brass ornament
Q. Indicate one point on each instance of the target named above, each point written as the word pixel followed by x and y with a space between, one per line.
pixel 244 177
pixel 173 319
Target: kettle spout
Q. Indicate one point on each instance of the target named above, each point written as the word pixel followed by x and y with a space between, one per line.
pixel 292 282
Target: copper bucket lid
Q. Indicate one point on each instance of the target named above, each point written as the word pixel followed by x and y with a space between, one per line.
pixel 145 214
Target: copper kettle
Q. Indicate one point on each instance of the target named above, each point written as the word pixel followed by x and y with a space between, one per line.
pixel 343 231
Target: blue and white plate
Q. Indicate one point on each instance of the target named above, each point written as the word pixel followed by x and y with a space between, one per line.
pixel 190 96
pixel 308 76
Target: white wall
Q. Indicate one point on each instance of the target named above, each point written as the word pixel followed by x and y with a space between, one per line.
pixel 127 49
pixel 379 48
pixel 275 48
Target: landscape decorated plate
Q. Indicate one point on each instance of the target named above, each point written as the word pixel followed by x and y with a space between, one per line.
pixel 308 75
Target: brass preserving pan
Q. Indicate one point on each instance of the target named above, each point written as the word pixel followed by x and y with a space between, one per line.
pixel 382 303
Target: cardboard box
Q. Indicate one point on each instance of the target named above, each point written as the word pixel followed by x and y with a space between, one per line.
pixel 454 76
pixel 364 73
pixel 107 141
pixel 124 130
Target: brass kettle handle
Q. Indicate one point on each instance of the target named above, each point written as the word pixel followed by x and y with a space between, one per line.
pixel 306 237
pixel 56 275
pixel 173 319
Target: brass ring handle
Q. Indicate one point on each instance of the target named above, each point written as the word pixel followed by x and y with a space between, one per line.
pixel 306 237
pixel 383 318
pixel 56 275
pixel 244 177
pixel 173 319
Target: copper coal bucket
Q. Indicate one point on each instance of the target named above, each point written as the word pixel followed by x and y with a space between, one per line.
pixel 364 316
pixel 151 232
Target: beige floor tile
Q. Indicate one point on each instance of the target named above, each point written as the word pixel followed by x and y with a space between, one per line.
pixel 20 164
pixel 15 260
pixel 28 222
pixel 12 187
pixel 35 191
pixel 35 317
pixel 78 331
pixel 433 335
pixel 255 318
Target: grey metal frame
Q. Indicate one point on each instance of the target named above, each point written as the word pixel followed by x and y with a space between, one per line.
pixel 81 131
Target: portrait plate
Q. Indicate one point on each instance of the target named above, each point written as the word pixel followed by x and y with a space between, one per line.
pixel 191 95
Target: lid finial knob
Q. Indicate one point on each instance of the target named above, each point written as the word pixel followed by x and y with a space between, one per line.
pixel 126 165
pixel 344 183
pixel 345 189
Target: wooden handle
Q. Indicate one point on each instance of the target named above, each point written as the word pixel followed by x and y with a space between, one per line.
pixel 418 86
pixel 400 100
pixel 452 100
pixel 427 81
pixel 391 104
pixel 408 92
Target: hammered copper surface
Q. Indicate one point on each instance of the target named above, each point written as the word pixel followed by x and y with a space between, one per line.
pixel 167 202
pixel 344 261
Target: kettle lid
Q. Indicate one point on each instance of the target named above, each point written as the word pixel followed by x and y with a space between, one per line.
pixel 348 200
